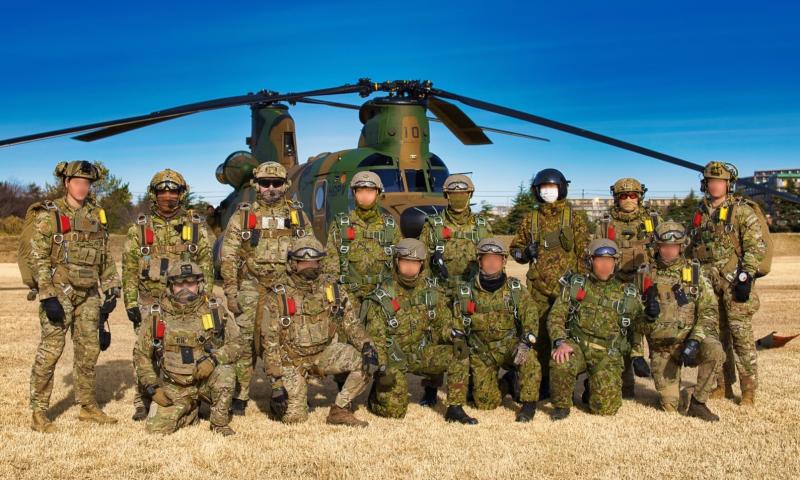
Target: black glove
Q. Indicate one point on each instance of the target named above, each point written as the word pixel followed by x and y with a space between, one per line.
pixel 651 306
pixel 742 287
pixel 135 316
pixel 640 367
pixel 279 401
pixel 691 348
pixel 532 251
pixel 110 302
pixel 53 309
pixel 460 347
pixel 437 265
pixel 369 357
pixel 103 335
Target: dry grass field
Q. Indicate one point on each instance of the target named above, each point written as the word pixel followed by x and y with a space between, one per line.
pixel 639 442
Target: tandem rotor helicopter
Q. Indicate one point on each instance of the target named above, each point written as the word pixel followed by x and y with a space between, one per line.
pixel 394 143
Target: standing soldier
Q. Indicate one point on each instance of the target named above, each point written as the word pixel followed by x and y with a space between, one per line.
pixel 410 320
pixel 451 238
pixel 298 322
pixel 686 329
pixel 730 243
pixel 71 263
pixel 589 324
pixel 155 242
pixel 631 226
pixel 552 240
pixel 185 353
pixel 501 321
pixel 254 253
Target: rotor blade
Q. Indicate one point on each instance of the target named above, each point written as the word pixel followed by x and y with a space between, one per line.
pixel 111 131
pixel 249 99
pixel 350 106
pixel 458 122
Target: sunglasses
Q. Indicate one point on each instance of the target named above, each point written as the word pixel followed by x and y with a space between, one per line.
pixel 271 182
pixel 672 235
pixel 605 252
pixel 627 195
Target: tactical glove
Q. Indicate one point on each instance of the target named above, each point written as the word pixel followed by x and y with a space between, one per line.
pixel 53 309
pixel 640 367
pixel 651 306
pixel 437 265
pixel 203 368
pixel 691 348
pixel 135 316
pixel 742 287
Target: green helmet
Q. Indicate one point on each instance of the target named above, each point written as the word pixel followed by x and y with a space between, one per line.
pixel 602 247
pixel 458 183
pixel 491 245
pixel 628 185
pixel 167 180
pixel 366 179
pixel 78 169
pixel 410 249
pixel 306 248
pixel 671 232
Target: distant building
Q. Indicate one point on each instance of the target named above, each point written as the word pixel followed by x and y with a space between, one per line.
pixel 776 179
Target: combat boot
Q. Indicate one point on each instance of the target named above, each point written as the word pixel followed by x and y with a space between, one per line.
pixel 701 411
pixel 559 413
pixel 628 392
pixel 429 398
pixel 748 391
pixel 585 394
pixel 91 413
pixel 224 430
pixel 40 422
pixel 456 414
pixel 140 414
pixel 238 407
pixel 343 416
pixel 527 412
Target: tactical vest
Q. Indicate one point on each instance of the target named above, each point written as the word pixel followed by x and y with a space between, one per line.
pixel 308 321
pixel 633 245
pixel 266 238
pixel 155 258
pixel 348 234
pixel 583 303
pixel 443 234
pixel 678 300
pixel 186 339
pixel 563 238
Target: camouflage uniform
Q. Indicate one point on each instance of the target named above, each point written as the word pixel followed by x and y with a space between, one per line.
pixel 154 243
pixel 633 234
pixel 254 252
pixel 174 339
pixel 297 321
pixel 410 326
pixel 727 240
pixel 593 318
pixel 71 262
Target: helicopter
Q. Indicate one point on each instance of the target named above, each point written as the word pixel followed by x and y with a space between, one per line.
pixel 394 143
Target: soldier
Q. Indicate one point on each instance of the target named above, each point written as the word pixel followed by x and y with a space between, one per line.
pixel 254 252
pixel 185 353
pixel 409 319
pixel 728 241
pixel 71 263
pixel 589 323
pixel 631 226
pixel 686 328
pixel 297 323
pixel 501 321
pixel 168 234
pixel 552 240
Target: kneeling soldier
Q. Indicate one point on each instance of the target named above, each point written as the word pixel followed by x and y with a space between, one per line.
pixel 297 322
pixel 590 323
pixel 409 318
pixel 194 342
pixel 686 330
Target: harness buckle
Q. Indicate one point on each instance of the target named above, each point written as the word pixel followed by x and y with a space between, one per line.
pixel 192 248
pixel 439 248
pixel 626 322
pixel 728 228
pixel 145 251
pixel 392 322
pixel 466 321
pixel 286 321
pixel 388 251
pixel 246 234
pixel 58 238
pixel 344 249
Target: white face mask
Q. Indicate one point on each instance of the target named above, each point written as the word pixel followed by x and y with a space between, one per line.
pixel 549 193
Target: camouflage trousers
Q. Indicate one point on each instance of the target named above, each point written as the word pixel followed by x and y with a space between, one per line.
pixel 81 320
pixel 434 360
pixel 637 350
pixel 140 399
pixel 217 390
pixel 485 365
pixel 605 378
pixel 543 343
pixel 337 358
pixel 736 331
pixel 248 302
pixel 665 365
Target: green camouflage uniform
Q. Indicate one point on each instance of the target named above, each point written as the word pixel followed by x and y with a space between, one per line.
pixel 696 320
pixel 593 318
pixel 254 254
pixel 495 322
pixel 297 321
pixel 70 266
pixel 563 234
pixel 190 332
pixel 410 327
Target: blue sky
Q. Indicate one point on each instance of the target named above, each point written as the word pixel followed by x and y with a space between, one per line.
pixel 698 80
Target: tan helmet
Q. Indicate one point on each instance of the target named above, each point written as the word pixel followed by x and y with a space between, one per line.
pixel 184 270
pixel 671 232
pixel 306 248
pixel 410 249
pixel 167 180
pixel 491 245
pixel 458 183
pixel 78 169
pixel 724 171
pixel 628 185
pixel 366 179
pixel 602 247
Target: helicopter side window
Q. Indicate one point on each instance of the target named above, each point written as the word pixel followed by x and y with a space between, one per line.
pixel 390 177
pixel 319 196
pixel 416 181
pixel 435 161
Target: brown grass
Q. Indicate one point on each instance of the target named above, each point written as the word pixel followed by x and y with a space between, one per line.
pixel 639 442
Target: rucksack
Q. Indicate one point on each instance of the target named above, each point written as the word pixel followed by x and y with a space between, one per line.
pixel 24 250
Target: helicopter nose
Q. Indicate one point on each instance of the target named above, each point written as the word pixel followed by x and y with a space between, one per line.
pixel 412 219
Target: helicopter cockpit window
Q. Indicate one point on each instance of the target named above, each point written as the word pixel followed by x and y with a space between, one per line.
pixel 390 177
pixel 416 181
pixel 438 176
pixel 377 160
pixel 435 161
